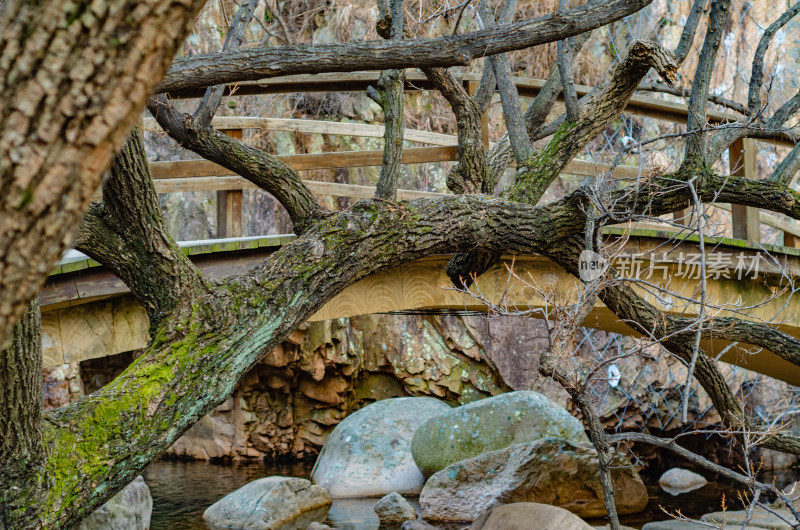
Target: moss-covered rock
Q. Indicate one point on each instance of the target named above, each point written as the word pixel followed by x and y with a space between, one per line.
pixel 488 425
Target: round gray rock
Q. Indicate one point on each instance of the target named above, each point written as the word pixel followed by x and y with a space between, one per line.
pixel 521 516
pixel 678 480
pixel 266 503
pixel 130 509
pixel 488 425
pixel 393 508
pixel 369 453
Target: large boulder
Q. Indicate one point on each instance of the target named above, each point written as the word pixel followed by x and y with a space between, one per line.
pixel 488 425
pixel 548 471
pixel 369 453
pixel 129 509
pixel 520 516
pixel 266 503
pixel 678 480
pixel 394 508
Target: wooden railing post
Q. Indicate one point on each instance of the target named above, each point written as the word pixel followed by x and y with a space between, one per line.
pixel 742 160
pixel 229 205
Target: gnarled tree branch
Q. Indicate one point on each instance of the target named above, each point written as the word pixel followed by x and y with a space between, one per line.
pixel 212 69
pixel 597 109
pixel 520 141
pixel 757 75
pixel 233 40
pixel 389 96
pixel 253 164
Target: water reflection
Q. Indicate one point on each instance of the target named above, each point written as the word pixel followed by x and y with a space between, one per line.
pixel 183 490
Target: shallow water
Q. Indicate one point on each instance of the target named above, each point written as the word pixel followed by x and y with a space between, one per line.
pixel 183 490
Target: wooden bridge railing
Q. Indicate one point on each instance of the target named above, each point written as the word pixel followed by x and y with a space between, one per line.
pixel 202 175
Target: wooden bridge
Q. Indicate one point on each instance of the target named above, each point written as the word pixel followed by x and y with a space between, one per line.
pixel 88 313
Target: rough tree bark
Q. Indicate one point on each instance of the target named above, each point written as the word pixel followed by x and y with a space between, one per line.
pixel 75 76
pixel 21 412
pixel 213 69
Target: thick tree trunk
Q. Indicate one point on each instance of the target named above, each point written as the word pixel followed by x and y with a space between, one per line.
pixel 75 75
pixel 21 412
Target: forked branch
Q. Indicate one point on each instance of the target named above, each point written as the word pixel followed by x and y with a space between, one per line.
pixel 127 233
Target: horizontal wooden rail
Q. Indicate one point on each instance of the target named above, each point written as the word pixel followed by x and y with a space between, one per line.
pixel 771 220
pixel 315 127
pixel 334 189
pixel 202 175
pixel 742 153
pixel 527 87
pixel 184 169
pixel 305 162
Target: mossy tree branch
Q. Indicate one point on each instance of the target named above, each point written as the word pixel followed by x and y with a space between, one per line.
pixel 597 109
pixel 202 348
pixel 536 114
